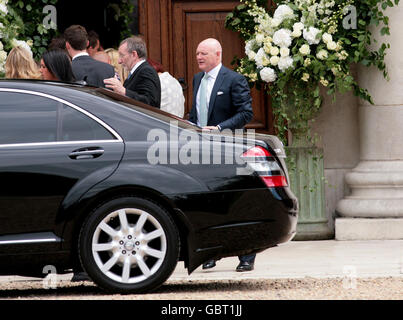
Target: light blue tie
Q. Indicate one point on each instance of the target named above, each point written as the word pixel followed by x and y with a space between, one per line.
pixel 203 107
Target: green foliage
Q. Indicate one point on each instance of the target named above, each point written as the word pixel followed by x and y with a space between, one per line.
pixel 122 13
pixel 300 46
pixel 30 12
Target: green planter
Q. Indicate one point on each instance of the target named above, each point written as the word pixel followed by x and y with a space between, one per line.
pixel 307 183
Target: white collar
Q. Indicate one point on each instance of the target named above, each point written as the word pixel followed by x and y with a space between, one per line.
pixel 136 66
pixel 213 73
pixel 80 55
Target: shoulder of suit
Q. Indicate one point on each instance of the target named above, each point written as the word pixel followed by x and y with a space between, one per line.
pixel 233 74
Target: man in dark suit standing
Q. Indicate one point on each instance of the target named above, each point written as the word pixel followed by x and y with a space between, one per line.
pixel 226 102
pixel 221 100
pixel 85 68
pixel 143 83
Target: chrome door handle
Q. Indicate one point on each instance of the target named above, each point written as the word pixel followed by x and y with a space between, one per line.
pixel 86 153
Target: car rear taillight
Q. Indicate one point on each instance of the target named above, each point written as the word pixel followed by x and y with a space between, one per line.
pixel 261 161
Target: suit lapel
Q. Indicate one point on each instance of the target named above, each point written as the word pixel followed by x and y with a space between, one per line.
pixel 217 85
pixel 132 76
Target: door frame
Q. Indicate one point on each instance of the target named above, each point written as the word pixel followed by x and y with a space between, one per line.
pixel 159 39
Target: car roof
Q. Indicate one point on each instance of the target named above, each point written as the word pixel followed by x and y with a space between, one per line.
pixel 78 92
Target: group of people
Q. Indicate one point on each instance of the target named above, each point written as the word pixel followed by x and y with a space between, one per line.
pixel 221 97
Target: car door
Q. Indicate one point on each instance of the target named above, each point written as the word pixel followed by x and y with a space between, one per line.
pixel 48 146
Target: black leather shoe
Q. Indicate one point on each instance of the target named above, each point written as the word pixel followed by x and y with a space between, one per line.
pixel 209 264
pixel 245 266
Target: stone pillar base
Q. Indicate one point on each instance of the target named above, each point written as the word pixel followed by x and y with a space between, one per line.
pixel 313 231
pixel 369 229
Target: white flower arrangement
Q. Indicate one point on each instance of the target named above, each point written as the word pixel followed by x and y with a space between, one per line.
pixel 268 74
pixel 294 30
pixel 3 7
pixel 23 44
pixel 10 26
pixel 300 45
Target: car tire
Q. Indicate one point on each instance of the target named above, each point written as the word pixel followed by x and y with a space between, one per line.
pixel 129 245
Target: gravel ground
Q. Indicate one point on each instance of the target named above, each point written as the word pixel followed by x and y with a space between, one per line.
pixel 390 288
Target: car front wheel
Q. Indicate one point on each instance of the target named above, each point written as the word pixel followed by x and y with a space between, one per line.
pixel 129 245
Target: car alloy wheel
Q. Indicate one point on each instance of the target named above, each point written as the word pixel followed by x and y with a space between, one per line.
pixel 129 245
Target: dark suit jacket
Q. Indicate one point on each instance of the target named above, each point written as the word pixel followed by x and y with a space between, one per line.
pixel 144 85
pixel 230 101
pixel 92 71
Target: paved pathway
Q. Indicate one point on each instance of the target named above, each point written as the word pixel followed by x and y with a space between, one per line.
pixel 299 259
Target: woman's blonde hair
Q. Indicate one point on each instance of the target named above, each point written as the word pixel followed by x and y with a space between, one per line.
pixel 114 58
pixel 21 65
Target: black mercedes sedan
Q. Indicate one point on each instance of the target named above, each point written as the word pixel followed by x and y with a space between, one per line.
pixel 91 180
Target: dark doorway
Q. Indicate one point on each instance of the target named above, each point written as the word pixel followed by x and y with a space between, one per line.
pixel 99 16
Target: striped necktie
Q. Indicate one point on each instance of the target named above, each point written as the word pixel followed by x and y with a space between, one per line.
pixel 203 107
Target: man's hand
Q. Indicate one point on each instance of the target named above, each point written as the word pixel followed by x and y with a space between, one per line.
pixel 115 85
pixel 211 128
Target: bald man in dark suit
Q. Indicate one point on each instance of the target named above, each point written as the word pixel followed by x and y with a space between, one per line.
pixel 221 100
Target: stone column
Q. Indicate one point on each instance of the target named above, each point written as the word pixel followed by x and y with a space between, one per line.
pixel 374 210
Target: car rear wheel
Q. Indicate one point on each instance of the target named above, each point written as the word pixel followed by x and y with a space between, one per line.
pixel 129 245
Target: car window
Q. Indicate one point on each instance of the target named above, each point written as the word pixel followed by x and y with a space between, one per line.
pixel 26 118
pixel 75 125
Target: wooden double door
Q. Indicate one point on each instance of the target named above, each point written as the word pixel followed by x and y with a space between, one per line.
pixel 174 28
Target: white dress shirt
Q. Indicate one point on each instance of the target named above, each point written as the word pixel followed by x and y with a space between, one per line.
pixel 213 73
pixel 80 55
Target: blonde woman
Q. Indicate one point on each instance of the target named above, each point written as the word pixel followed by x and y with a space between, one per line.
pixel 21 65
pixel 114 57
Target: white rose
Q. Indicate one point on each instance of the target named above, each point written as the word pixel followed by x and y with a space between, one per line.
pixel 322 54
pixel 22 44
pixel 259 38
pixel 310 35
pixel 298 26
pixel 296 33
pixel 3 55
pixel 268 75
pixel 249 46
pixel 305 77
pixel 3 8
pixel 324 82
pixel 284 52
pixel 283 12
pixel 275 22
pixel 251 55
pixel 342 55
pixel 274 51
pixel 326 37
pixel 305 49
pixel 274 60
pixel 267 47
pixel 331 45
pixel 282 38
pixel 285 63
pixel 1 46
pixel 261 59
